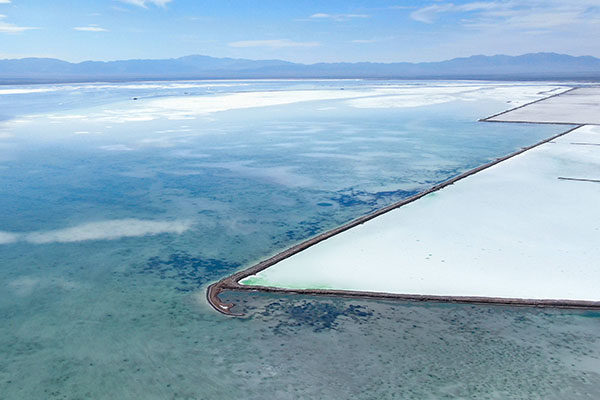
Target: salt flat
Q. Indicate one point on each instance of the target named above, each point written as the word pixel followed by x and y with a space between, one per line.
pixel 579 106
pixel 364 96
pixel 518 229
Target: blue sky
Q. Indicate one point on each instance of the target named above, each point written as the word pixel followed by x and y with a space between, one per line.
pixel 305 31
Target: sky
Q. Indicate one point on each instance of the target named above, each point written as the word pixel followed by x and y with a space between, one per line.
pixel 306 31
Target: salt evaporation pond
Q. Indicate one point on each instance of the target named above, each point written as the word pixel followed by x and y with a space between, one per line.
pixel 117 213
pixel 521 229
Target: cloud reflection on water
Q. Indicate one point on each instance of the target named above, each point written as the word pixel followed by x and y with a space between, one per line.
pixel 102 230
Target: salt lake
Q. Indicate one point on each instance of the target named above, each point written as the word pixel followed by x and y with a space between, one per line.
pixel 122 202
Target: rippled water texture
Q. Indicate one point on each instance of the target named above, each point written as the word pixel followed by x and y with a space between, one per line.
pixel 121 202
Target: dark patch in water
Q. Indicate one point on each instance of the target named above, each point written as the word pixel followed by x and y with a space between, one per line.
pixel 362 201
pixel 190 272
pixel 305 230
pixel 353 198
pixel 591 314
pixel 321 316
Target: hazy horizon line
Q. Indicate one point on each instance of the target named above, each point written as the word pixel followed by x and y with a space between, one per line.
pixel 297 63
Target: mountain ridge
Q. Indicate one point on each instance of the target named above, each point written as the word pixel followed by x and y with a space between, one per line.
pixel 527 66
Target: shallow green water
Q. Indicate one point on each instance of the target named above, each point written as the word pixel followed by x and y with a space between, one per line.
pixel 90 310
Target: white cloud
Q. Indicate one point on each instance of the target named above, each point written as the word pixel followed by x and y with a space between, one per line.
pixel 116 147
pixel 364 41
pixel 429 14
pixel 144 3
pixel 103 230
pixel 373 40
pixel 5 27
pixel 274 43
pixel 338 17
pixel 527 15
pixel 91 28
pixel 541 20
pixel 480 6
pixel 4 1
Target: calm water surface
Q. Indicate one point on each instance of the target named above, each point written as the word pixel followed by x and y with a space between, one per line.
pixel 117 213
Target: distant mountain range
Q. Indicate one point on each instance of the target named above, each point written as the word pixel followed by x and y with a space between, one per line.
pixel 524 67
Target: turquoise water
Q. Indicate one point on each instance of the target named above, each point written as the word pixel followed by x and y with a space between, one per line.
pixel 113 224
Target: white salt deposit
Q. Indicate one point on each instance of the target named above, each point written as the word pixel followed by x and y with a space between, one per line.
pixel 580 106
pixel 514 230
pixel 210 104
pixel 25 90
pixel 374 96
pixel 411 96
pixel 395 96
